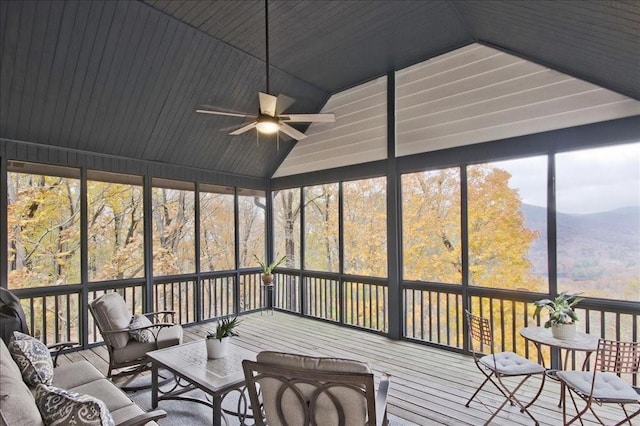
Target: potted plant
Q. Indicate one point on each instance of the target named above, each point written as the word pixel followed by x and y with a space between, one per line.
pixel 267 270
pixel 562 316
pixel 218 341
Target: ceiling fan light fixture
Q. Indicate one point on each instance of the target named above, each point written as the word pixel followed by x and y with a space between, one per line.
pixel 268 125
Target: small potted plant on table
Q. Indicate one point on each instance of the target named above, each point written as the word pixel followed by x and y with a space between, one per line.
pixel 267 270
pixel 218 341
pixel 562 316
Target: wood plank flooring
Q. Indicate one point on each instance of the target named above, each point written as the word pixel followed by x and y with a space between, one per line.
pixel 429 386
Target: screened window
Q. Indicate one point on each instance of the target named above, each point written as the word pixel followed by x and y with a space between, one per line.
pixel 286 226
pixel 251 220
pixel 507 224
pixel 173 227
pixel 365 227
pixel 43 225
pixel 431 226
pixel 217 228
pixel 598 222
pixel 321 228
pixel 116 226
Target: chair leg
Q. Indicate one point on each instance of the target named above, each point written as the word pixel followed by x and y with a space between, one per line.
pixel 511 397
pixel 627 416
pixel 477 390
pixel 579 413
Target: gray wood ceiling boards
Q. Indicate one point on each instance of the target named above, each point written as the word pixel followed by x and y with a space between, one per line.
pixel 123 78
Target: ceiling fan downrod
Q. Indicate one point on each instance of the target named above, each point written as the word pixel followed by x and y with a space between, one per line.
pixel 266 38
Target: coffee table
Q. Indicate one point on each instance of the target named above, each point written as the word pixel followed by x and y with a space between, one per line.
pixel 192 370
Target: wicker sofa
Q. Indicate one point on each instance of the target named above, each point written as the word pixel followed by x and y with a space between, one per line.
pixel 18 404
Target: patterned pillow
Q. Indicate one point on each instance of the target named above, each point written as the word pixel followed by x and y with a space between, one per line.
pixel 62 407
pixel 33 359
pixel 141 335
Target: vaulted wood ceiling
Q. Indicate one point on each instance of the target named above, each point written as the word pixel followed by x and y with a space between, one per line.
pixel 124 78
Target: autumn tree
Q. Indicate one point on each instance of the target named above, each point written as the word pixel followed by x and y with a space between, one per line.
pixel 217 231
pixel 116 231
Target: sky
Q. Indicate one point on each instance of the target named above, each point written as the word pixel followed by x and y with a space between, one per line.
pixel 587 181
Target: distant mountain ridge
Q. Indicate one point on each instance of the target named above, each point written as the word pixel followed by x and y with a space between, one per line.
pixel 589 245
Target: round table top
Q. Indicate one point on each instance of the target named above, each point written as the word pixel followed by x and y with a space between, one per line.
pixel 581 342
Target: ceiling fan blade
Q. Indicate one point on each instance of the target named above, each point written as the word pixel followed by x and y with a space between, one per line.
pixel 283 103
pixel 244 128
pixel 267 104
pixel 308 118
pixel 288 130
pixel 206 109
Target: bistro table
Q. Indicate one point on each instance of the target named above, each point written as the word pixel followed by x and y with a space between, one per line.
pixel 582 342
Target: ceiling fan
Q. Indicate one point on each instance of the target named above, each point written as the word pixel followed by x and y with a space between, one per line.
pixel 271 118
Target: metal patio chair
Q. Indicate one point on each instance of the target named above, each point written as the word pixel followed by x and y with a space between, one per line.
pixel 293 389
pixel 127 355
pixel 499 365
pixel 604 385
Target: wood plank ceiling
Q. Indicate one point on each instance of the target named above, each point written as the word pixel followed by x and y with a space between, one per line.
pixel 124 78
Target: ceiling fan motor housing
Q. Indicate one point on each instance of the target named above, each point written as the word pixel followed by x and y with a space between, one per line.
pixel 267 124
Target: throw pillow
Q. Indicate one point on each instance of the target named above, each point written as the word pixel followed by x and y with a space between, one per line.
pixel 62 407
pixel 141 335
pixel 33 359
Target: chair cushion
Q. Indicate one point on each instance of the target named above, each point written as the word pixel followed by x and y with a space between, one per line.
pixel 111 396
pixel 313 363
pixel 353 401
pixel 511 364
pixel 60 407
pixel 77 373
pixel 33 359
pixel 170 336
pixel 607 387
pixel 167 336
pixel 137 321
pixel 17 405
pixel 111 313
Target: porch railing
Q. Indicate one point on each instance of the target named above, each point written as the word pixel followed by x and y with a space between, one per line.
pixel 433 313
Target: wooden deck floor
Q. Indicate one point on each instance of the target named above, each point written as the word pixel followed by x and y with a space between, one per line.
pixel 428 386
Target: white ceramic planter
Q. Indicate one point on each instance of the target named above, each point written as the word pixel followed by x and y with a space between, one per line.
pixel 217 348
pixel 564 331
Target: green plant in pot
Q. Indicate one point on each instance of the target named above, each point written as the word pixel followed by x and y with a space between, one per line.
pixel 267 269
pixel 562 316
pixel 218 341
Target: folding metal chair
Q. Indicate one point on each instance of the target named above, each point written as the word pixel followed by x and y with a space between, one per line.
pixel 604 385
pixel 496 366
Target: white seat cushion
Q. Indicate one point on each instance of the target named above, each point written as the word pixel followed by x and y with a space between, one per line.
pixel 511 364
pixel 607 387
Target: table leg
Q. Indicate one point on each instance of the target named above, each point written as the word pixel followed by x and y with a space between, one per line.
pixel 217 410
pixel 154 384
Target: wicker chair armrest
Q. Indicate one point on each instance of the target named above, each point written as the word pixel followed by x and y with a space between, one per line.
pixel 145 418
pixel 381 400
